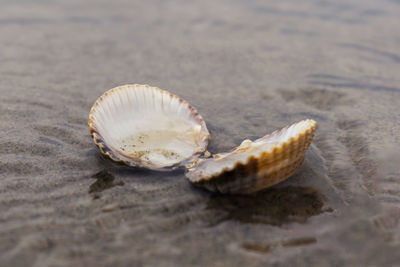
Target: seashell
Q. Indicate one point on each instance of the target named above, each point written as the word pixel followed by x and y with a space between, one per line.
pixel 256 165
pixel 147 127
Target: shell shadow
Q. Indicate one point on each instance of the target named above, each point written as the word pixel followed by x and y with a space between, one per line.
pixel 113 174
pixel 104 180
pixel 275 206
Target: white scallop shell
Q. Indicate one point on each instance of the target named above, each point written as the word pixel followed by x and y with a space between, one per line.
pixel 256 165
pixel 147 127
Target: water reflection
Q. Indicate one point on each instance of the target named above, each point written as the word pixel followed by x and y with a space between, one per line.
pixel 275 206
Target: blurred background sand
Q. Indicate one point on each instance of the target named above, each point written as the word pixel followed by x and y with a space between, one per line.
pixel 249 67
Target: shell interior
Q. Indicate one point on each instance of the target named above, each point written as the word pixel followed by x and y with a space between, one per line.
pixel 147 127
pixel 256 165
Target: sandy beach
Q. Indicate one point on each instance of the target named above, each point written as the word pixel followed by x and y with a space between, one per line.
pixel 249 68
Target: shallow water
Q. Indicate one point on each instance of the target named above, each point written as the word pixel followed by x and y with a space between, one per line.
pixel 249 67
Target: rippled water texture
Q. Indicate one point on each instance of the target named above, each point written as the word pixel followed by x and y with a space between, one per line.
pixel 249 67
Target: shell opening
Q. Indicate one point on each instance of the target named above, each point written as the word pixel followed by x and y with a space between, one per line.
pixel 146 126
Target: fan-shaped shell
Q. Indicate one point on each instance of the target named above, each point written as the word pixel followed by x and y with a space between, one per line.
pixel 256 165
pixel 147 127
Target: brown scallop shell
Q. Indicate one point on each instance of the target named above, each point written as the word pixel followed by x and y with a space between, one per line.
pixel 257 165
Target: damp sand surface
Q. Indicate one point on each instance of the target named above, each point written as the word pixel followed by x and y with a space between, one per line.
pixel 249 68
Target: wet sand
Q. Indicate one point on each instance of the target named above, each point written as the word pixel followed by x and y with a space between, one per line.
pixel 249 67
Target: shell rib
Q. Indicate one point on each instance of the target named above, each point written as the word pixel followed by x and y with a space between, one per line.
pixel 147 127
pixel 256 165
